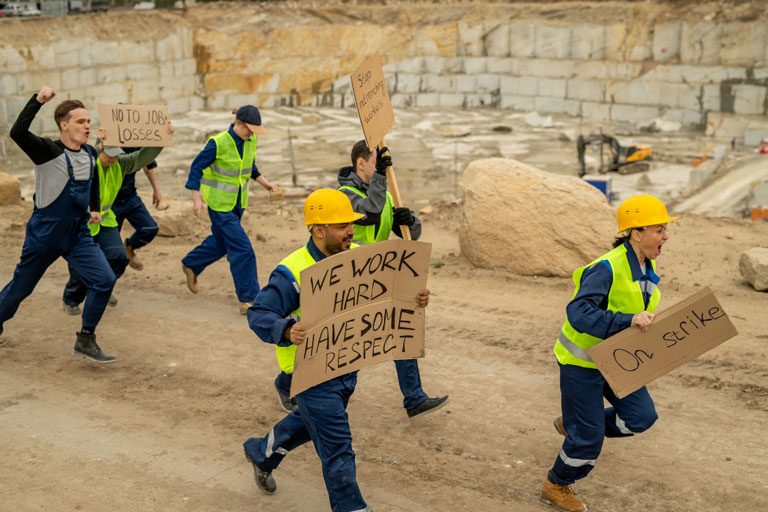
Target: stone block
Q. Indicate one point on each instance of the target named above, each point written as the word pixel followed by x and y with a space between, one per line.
pixel 129 52
pixel 169 68
pixel 51 78
pixel 594 110
pixel 178 106
pixel 687 118
pixel 15 104
pixel 588 90
pixel 666 41
pixel 753 266
pixel 636 92
pixel 711 74
pixel 70 78
pixel 609 70
pixel 700 43
pixel 710 99
pixel 488 83
pixel 402 100
pixel 481 100
pixel 466 83
pixel 744 44
pixel 547 68
pixel 415 65
pixel 140 72
pixel 44 57
pixel 557 105
pixel 553 42
pixel 187 43
pixel 475 65
pixel 434 64
pixel 407 83
pixel 86 77
pixel 726 126
pixel 196 103
pixel 106 54
pixel 471 39
pixel 505 65
pixel 497 40
pixel 187 67
pixel 438 83
pixel 515 102
pixel 760 73
pixel 682 96
pixel 634 113
pixel 84 56
pixel 588 42
pixel 10 189
pixel 12 61
pixel 552 87
pixel 519 85
pixel 640 44
pixel 169 48
pixel 427 100
pixel 7 85
pixel 451 100
pixel 453 65
pixel 115 92
pixel 522 39
pixel 749 99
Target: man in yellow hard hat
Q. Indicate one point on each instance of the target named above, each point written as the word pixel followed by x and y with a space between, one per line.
pixel 321 414
pixel 617 291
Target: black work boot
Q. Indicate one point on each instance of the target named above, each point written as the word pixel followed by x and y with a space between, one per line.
pixel 428 405
pixel 86 347
pixel 264 479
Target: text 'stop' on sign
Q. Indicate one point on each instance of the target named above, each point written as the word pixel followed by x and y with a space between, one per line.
pixel 135 125
pixel 372 99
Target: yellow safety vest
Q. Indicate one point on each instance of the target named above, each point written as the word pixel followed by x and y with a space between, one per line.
pixel 625 296
pixel 368 234
pixel 228 175
pixel 110 182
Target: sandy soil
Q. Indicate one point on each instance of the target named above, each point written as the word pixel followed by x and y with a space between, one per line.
pixel 162 428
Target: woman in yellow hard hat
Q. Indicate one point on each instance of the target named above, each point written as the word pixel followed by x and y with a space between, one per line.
pixel 616 291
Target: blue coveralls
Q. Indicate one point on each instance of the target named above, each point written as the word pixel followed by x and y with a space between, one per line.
pixel 586 419
pixel 61 229
pixel 321 415
pixel 228 238
pixel 108 240
pixel 129 206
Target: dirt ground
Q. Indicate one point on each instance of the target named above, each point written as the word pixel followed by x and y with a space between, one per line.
pixel 162 429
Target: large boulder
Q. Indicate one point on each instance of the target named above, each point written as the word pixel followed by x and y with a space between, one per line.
pixel 753 265
pixel 10 189
pixel 527 221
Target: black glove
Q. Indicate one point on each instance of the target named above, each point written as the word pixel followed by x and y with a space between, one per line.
pixel 382 162
pixel 403 216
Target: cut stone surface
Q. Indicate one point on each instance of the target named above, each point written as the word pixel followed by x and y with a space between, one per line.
pixel 10 189
pixel 753 265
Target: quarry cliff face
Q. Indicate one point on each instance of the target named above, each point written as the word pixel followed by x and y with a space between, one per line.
pixel 607 60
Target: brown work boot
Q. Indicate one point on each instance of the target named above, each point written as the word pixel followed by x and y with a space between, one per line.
pixel 133 259
pixel 191 279
pixel 561 497
pixel 560 427
pixel 244 307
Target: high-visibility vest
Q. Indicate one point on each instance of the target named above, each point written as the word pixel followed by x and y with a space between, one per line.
pixel 368 234
pixel 110 182
pixel 228 175
pixel 625 296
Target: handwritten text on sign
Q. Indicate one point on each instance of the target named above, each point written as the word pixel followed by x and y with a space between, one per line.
pixel 631 359
pixel 135 125
pixel 359 308
pixel 372 98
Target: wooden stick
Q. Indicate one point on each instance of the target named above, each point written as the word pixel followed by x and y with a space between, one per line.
pixel 405 230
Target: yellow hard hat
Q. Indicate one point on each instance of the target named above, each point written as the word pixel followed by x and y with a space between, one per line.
pixel 328 206
pixel 640 211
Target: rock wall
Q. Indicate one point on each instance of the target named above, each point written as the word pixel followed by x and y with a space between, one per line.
pixel 627 62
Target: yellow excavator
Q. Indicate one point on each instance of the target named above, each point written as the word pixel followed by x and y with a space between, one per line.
pixel 623 159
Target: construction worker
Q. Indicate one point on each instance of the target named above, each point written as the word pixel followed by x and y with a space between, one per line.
pixel 365 184
pixel 65 186
pixel 112 165
pixel 321 415
pixel 615 292
pixel 219 177
pixel 129 206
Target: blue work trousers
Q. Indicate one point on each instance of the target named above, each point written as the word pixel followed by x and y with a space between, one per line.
pixel 321 417
pixel 228 238
pixel 407 377
pixel 587 421
pixel 60 229
pixel 108 240
pixel 133 210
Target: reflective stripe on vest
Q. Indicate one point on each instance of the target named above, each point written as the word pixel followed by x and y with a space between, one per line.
pixel 110 182
pixel 368 234
pixel 228 175
pixel 625 296
pixel 295 262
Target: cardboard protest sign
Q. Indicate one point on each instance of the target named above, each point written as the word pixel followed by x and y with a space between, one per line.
pixel 372 100
pixel 359 308
pixel 631 359
pixel 135 125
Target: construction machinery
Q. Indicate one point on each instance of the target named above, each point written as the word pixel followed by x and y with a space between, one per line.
pixel 623 159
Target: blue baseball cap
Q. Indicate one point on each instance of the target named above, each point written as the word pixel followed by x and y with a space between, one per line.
pixel 250 115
